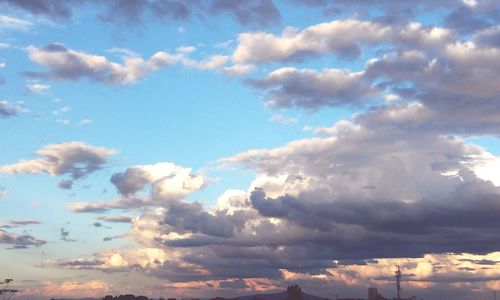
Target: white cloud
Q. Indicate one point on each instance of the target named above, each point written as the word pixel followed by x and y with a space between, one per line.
pixel 7 22
pixel 84 122
pixel 61 110
pixel 338 36
pixel 64 63
pixel 186 49
pixel 64 122
pixel 69 64
pixel 279 118
pixel 38 88
pixel 168 181
pixel 487 167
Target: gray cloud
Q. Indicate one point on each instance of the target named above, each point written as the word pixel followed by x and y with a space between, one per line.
pixel 489 37
pixel 258 13
pixel 114 237
pixel 248 13
pixel 448 85
pixel 290 87
pixel 19 223
pixel 100 225
pixel 471 18
pixel 130 181
pixel 65 235
pixel 191 217
pixel 461 15
pixel 466 20
pixel 412 208
pixel 443 76
pixel 82 264
pixel 7 109
pixel 65 184
pixel 75 159
pixel 57 10
pixel 19 241
pixel 105 206
pixel 115 219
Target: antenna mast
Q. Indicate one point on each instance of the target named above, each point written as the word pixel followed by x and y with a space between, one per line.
pixel 398 282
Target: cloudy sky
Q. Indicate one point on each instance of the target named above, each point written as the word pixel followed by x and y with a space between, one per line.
pixel 223 147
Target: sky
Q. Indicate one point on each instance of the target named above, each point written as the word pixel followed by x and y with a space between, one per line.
pixel 199 148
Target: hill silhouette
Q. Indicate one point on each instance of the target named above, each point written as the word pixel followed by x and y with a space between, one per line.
pixel 293 292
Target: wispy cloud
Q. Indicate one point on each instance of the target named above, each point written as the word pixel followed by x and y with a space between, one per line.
pixel 279 118
pixel 7 22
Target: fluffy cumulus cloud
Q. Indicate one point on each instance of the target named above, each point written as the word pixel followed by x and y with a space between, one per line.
pixel 448 84
pixel 168 184
pixel 342 37
pixel 168 181
pixel 68 64
pixel 454 79
pixel 75 159
pixel 64 63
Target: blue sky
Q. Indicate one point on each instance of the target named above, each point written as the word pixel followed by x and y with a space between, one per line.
pixel 249 145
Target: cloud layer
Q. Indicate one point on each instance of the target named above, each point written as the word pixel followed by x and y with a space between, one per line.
pixel 248 13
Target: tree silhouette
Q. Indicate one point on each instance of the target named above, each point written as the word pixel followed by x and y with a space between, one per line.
pixel 5 292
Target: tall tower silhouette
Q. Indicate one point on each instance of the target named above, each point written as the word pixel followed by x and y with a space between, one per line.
pixel 398 282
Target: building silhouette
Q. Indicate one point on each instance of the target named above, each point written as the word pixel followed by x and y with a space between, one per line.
pixel 372 293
